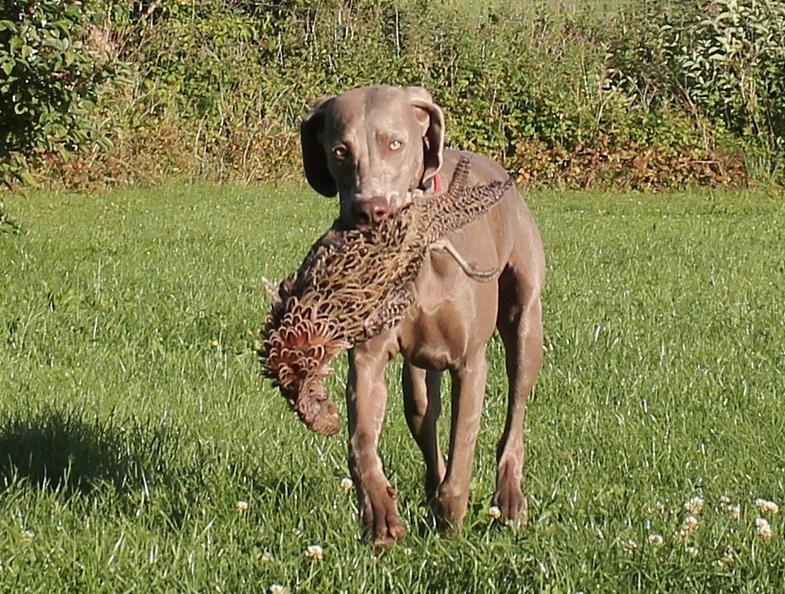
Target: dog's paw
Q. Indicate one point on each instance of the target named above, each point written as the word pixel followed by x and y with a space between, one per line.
pixel 450 508
pixel 512 506
pixel 380 519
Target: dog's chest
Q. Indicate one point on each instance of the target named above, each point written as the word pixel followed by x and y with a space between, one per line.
pixel 448 317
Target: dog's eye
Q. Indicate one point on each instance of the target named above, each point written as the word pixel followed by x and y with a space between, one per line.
pixel 396 144
pixel 340 152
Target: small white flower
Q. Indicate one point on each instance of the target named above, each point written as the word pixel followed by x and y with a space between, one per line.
pixel 241 507
pixel 314 552
pixel 734 511
pixel 656 540
pixel 767 507
pixel 763 529
pixel 725 501
pixel 266 557
pixel 690 523
pixel 728 558
pixel 629 546
pixel 277 589
pixel 692 551
pixel 694 505
pixel 495 512
pixel 689 526
pixel 346 484
pixel 27 536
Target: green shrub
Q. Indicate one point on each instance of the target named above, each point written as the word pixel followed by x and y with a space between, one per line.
pixel 50 80
pixel 216 89
pixel 723 61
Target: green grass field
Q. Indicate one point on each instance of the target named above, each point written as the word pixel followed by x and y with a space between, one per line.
pixel 133 417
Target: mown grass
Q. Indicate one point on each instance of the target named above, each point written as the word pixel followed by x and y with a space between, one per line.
pixel 133 417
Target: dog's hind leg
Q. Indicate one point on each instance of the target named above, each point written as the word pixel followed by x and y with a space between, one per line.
pixel 422 406
pixel 468 390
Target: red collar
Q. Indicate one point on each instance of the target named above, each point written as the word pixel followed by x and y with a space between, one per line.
pixel 434 183
pixel 437 184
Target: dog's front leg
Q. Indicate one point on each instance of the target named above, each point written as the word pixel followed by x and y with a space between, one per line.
pixel 366 399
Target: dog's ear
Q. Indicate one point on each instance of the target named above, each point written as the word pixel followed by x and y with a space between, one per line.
pixel 314 158
pixel 431 118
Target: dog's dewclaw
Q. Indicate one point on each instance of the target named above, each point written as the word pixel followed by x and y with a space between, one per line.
pixel 355 284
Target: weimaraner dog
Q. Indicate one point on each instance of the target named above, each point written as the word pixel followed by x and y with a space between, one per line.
pixel 374 147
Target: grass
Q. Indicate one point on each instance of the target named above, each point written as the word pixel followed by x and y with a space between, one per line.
pixel 133 417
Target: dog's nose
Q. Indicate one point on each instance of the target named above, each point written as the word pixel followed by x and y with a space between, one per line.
pixel 371 210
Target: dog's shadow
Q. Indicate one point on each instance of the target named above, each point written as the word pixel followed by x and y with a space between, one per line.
pixel 67 451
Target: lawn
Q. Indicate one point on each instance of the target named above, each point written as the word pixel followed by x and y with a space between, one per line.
pixel 133 417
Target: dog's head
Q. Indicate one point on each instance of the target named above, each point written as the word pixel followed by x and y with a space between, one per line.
pixel 372 146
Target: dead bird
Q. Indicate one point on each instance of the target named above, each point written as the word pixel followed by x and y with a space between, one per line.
pixel 356 283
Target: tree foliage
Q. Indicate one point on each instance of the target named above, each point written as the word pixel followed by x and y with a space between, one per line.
pixel 667 94
pixel 49 80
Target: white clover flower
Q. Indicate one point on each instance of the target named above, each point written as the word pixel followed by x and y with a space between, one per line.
pixel 346 484
pixel 734 511
pixel 767 507
pixel 725 501
pixel 692 551
pixel 694 505
pixel 314 552
pixel 629 546
pixel 763 529
pixel 277 589
pixel 241 507
pixel 690 523
pixel 728 558
pixel 688 526
pixel 656 540
pixel 495 512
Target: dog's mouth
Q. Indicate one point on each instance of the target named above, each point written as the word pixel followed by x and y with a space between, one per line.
pixel 361 210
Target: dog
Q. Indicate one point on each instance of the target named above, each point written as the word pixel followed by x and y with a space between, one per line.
pixel 374 147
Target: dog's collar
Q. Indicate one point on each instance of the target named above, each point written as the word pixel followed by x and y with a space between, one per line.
pixel 433 183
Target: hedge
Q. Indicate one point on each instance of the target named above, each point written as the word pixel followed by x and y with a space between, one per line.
pixel 100 93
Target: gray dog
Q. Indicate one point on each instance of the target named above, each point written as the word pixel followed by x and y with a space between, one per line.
pixel 374 147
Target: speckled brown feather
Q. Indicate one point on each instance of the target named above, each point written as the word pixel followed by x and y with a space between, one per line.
pixel 353 285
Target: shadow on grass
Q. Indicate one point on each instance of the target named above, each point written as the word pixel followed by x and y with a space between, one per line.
pixel 64 451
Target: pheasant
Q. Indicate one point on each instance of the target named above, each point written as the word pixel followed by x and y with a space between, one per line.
pixel 355 284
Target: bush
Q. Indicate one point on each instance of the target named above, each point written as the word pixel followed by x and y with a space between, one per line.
pixel 723 61
pixel 217 88
pixel 50 82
